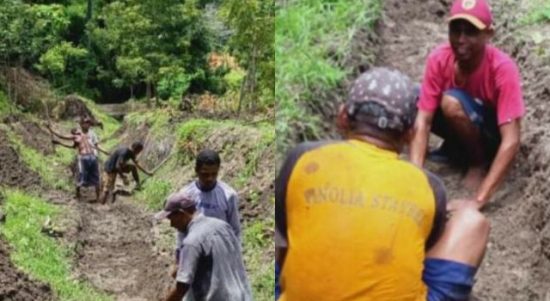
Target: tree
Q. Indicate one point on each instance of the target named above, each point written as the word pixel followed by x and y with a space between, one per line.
pixel 252 42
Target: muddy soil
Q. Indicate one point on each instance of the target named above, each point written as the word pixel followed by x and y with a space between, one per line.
pixel 13 171
pixel 14 284
pixel 117 252
pixel 517 263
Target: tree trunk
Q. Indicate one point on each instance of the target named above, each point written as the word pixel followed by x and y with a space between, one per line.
pixel 131 91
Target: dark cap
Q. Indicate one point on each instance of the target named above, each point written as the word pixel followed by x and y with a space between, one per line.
pixel 383 98
pixel 176 202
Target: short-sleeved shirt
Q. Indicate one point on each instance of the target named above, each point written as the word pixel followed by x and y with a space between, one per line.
pixel 496 82
pixel 357 220
pixel 211 262
pixel 122 154
pixel 220 202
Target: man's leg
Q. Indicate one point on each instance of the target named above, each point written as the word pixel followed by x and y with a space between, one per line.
pixel 469 136
pixel 452 262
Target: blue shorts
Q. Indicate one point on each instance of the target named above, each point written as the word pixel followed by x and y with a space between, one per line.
pixel 482 116
pixel 448 280
pixel 88 171
pixel 277 285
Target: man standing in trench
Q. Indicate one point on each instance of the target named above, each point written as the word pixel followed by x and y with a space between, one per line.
pixel 354 222
pixel 471 97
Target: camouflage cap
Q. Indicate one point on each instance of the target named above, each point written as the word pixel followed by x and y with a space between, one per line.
pixel 383 98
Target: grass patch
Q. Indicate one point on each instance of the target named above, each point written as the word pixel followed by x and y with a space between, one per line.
pixel 5 105
pixel 154 193
pixel 267 140
pixel 39 255
pixel 110 124
pixel 158 120
pixel 539 12
pixel 261 265
pixel 312 38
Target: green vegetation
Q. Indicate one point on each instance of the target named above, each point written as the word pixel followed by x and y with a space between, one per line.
pixel 158 121
pixel 311 42
pixel 5 105
pixel 140 49
pixel 256 240
pixel 539 12
pixel 254 157
pixel 154 193
pixel 38 255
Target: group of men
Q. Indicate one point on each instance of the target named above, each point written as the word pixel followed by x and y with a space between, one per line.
pixel 208 257
pixel 208 263
pixel 356 222
pixel 86 143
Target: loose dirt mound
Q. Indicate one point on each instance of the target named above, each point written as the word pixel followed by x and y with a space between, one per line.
pixel 73 107
pixel 16 286
pixel 516 266
pixel 117 254
pixel 13 172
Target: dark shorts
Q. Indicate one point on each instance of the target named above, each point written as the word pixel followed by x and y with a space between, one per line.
pixel 88 171
pixel 481 116
pixel 448 280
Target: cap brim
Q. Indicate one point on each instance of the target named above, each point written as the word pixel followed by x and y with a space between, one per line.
pixel 161 215
pixel 475 21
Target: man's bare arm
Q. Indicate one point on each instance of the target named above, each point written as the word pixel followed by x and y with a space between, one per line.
pixel 509 147
pixel 62 144
pixel 178 292
pixel 142 169
pixel 419 143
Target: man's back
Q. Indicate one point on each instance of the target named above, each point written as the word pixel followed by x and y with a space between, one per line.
pixel 211 260
pixel 356 220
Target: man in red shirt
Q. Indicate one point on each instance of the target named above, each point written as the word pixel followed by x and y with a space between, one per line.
pixel 471 97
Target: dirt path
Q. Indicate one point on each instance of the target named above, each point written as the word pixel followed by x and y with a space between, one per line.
pixel 516 266
pixel 117 252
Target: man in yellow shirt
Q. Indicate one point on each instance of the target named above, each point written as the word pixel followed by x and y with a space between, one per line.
pixel 354 222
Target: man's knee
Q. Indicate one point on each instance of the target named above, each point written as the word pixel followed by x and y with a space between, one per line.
pixel 451 108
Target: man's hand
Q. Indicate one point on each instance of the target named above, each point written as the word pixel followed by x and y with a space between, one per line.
pixel 457 204
pixel 174 272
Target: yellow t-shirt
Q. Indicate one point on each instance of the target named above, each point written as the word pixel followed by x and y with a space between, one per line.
pixel 355 220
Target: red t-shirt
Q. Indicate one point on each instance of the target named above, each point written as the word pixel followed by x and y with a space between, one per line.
pixel 496 82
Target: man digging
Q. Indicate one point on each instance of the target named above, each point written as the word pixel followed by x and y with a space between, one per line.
pixel 471 97
pixel 118 164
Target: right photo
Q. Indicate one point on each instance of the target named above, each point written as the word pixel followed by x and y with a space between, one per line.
pixel 412 150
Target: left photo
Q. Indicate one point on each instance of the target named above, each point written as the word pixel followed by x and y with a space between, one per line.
pixel 137 150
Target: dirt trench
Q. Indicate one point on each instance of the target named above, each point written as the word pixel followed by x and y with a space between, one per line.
pixel 117 254
pixel 516 266
pixel 14 284
pixel 115 245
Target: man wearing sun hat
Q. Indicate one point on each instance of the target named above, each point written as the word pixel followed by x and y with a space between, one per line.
pixel 471 97
pixel 354 222
pixel 210 264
